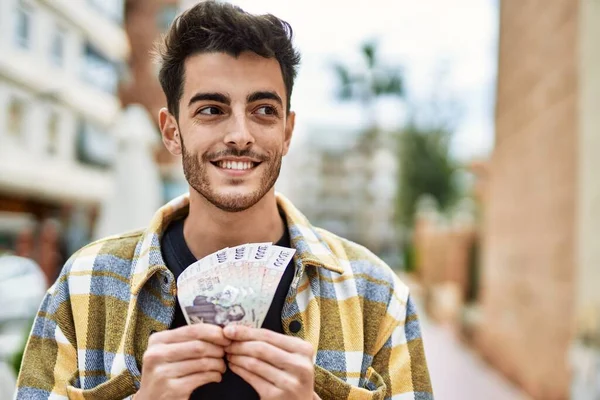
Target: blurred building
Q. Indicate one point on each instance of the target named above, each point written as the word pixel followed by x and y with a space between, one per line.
pixel 345 185
pixel 59 72
pixel 145 22
pixel 541 304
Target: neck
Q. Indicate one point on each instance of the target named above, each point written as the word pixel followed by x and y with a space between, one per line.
pixel 208 228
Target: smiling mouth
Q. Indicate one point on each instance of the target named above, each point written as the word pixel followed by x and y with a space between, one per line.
pixel 236 165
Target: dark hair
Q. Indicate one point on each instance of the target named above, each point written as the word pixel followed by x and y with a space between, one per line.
pixel 211 26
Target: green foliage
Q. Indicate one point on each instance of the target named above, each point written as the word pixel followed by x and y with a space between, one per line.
pixel 368 84
pixel 369 50
pixel 426 168
pixel 16 360
pixel 409 256
pixel 425 162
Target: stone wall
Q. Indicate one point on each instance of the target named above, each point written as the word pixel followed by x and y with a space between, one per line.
pixel 530 212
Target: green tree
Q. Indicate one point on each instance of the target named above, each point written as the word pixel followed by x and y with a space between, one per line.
pixel 426 168
pixel 425 161
pixel 369 83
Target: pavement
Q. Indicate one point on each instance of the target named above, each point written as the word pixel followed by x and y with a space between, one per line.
pixel 458 373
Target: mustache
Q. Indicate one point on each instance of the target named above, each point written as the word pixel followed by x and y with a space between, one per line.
pixel 234 153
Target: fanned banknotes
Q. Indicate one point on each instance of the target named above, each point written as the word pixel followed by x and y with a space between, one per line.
pixel 233 285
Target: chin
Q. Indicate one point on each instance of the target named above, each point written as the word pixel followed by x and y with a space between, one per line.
pixel 236 200
pixel 231 194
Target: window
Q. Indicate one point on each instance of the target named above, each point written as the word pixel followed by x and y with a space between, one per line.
pixel 16 118
pixel 99 71
pixel 57 46
pixel 53 130
pixel 23 24
pixel 95 147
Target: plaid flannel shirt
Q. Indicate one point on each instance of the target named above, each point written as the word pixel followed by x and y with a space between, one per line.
pixel 92 329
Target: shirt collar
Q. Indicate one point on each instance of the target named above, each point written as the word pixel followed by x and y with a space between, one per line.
pixel 310 247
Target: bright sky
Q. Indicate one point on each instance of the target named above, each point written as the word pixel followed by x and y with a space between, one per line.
pixel 421 36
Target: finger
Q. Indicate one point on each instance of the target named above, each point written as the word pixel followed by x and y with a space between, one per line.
pixel 190 367
pixel 272 355
pixel 262 387
pixel 193 350
pixel 263 370
pixel 205 332
pixel 175 352
pixel 191 382
pixel 287 343
pixel 259 350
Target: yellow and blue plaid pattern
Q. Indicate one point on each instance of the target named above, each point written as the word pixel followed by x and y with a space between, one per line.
pixel 92 328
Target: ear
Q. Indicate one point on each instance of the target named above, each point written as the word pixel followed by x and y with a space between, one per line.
pixel 169 130
pixel 289 131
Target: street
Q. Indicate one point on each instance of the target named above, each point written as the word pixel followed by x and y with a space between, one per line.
pixel 458 373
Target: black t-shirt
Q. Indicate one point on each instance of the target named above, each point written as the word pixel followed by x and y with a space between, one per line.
pixel 178 257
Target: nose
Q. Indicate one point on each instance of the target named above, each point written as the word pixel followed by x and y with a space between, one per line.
pixel 238 133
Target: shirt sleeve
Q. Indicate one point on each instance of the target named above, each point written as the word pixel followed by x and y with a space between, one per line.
pixel 401 363
pixel 49 362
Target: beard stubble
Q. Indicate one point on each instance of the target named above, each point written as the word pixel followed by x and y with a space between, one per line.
pixel 196 173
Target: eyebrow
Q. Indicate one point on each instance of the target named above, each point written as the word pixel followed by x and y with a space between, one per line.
pixel 215 96
pixel 223 98
pixel 264 95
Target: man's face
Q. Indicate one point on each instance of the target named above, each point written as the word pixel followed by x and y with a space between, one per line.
pixel 233 127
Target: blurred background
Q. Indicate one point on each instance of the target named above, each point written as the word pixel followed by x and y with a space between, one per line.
pixel 460 141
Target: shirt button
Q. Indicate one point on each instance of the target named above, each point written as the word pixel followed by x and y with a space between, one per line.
pixel 295 326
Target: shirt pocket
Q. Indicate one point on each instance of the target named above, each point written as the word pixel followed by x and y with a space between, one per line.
pixel 121 386
pixel 330 387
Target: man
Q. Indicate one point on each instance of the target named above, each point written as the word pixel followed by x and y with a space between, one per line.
pixel 341 325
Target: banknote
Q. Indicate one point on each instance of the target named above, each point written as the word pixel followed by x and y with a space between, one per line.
pixel 219 307
pixel 201 277
pixel 207 297
pixel 258 254
pixel 212 291
pixel 273 269
pixel 233 285
pixel 208 262
pixel 237 269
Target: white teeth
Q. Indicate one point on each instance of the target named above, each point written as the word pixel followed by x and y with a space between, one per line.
pixel 239 165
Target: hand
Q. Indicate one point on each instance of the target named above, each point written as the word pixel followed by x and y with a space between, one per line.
pixel 180 360
pixel 275 365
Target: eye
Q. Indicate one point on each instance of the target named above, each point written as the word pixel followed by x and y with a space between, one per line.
pixel 210 111
pixel 266 110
